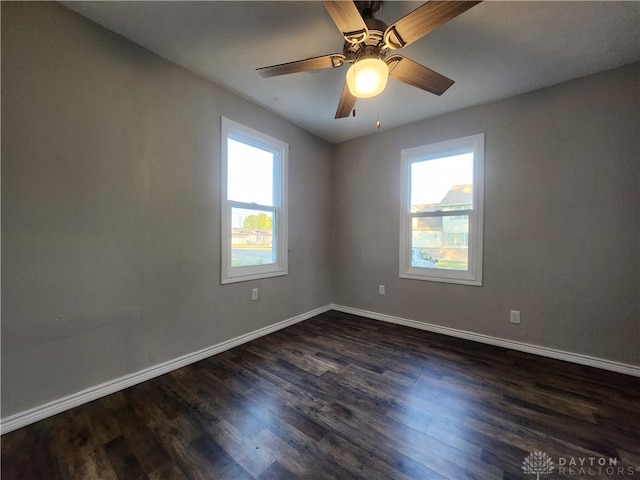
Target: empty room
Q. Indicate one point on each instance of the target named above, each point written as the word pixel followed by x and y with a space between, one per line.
pixel 320 240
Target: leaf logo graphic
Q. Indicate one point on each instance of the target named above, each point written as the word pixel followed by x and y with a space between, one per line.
pixel 538 463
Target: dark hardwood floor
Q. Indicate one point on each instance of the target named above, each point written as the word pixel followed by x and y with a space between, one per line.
pixel 342 397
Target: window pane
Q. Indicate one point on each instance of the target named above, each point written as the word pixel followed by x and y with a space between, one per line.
pixel 249 173
pixel 441 225
pixel 440 242
pixel 442 183
pixel 252 237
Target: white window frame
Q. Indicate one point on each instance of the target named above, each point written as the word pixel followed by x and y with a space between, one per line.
pixel 280 150
pixel 472 276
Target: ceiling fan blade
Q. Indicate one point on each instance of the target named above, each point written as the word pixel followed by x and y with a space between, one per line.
pixel 423 20
pixel 316 63
pixel 347 18
pixel 412 73
pixel 346 104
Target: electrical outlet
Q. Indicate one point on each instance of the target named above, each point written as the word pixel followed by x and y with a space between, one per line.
pixel 381 289
pixel 514 316
pixel 254 294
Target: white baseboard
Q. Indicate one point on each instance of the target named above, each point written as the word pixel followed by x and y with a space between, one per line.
pixel 41 412
pixel 578 358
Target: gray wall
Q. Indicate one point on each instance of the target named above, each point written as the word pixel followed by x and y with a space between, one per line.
pixel 110 214
pixel 561 226
pixel 111 210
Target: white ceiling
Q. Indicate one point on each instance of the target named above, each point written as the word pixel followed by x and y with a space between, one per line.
pixel 494 50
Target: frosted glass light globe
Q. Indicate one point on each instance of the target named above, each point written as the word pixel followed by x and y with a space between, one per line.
pixel 367 77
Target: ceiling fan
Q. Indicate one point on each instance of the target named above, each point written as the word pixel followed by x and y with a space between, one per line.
pixel 369 45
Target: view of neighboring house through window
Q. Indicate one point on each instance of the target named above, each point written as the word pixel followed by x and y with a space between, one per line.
pixel 254 207
pixel 441 217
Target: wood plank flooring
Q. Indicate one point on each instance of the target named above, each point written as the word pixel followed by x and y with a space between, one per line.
pixel 343 397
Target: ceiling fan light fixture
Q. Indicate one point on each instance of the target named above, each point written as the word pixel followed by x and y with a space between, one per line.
pixel 367 77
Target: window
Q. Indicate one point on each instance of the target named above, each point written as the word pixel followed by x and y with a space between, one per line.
pixel 254 204
pixel 441 216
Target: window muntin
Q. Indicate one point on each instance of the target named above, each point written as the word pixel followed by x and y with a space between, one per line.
pixel 441 217
pixel 254 204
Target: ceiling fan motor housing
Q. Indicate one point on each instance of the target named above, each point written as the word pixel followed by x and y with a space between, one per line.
pixel 373 46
